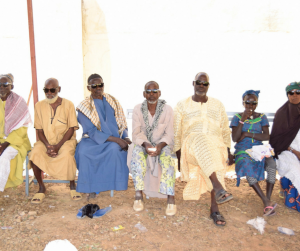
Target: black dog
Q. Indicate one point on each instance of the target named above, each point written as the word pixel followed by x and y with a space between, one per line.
pixel 89 210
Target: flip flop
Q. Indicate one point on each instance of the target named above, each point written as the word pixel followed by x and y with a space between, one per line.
pixel 270 212
pixel 220 199
pixel 74 195
pixel 38 198
pixel 281 194
pixel 216 216
pixel 97 214
pixel 102 212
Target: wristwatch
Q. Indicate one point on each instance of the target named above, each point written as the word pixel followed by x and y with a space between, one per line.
pixel 291 150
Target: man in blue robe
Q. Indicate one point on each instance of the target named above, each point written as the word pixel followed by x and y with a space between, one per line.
pixel 101 154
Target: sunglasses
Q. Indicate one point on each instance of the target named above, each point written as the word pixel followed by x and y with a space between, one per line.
pixel 153 91
pixel 293 92
pixel 5 84
pixel 250 102
pixel 94 86
pixel 198 82
pixel 52 90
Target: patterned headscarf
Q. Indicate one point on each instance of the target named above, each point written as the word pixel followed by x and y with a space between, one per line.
pixel 292 86
pixel 251 92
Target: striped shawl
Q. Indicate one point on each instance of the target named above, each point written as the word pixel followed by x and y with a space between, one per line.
pixel 88 108
pixel 16 113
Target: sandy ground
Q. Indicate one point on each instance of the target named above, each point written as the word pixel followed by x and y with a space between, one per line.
pixel 190 229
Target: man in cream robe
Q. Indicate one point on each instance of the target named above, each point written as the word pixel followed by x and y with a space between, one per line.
pixel 14 142
pixel 55 121
pixel 149 157
pixel 202 145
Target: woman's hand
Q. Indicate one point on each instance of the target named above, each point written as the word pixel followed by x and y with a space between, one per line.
pixel 244 135
pixel 296 153
pixel 246 114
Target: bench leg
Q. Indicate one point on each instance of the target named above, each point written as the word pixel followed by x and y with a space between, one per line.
pixel 111 193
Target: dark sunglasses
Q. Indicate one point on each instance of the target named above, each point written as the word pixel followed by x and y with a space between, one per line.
pixel 198 82
pixel 94 86
pixel 293 92
pixel 247 102
pixel 52 90
pixel 5 84
pixel 154 91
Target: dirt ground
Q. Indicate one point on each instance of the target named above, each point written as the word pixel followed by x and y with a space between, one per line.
pixel 190 229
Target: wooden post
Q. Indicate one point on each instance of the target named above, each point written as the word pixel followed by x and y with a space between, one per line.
pixel 32 52
pixel 33 59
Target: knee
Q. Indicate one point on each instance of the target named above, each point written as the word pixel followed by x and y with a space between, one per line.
pixel 166 150
pixel 270 163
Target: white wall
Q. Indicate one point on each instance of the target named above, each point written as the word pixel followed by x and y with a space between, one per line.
pixel 240 44
pixel 58 32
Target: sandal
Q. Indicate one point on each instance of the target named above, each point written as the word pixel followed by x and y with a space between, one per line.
pixel 38 198
pixel 216 216
pixel 270 212
pixel 220 196
pixel 75 195
pixel 281 194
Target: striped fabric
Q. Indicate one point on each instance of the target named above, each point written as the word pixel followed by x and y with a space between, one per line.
pixel 16 113
pixel 87 107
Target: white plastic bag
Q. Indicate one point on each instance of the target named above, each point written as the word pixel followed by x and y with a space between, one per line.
pixel 60 245
pixel 259 152
pixel 259 223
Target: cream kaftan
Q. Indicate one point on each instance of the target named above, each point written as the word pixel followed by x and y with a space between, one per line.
pixel 203 135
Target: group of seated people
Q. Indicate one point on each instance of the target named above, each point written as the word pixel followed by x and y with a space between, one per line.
pixel 197 132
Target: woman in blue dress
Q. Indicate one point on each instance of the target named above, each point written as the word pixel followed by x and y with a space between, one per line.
pixel 250 129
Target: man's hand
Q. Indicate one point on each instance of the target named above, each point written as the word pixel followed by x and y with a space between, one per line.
pixel 158 149
pixel 3 146
pixel 123 144
pixel 52 150
pixel 231 159
pixel 128 141
pixel 178 154
pixel 147 146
